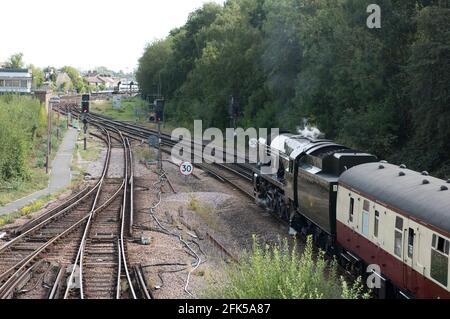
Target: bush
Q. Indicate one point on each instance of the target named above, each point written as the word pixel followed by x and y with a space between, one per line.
pixel 21 121
pixel 278 272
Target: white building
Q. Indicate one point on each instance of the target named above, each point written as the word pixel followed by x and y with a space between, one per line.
pixel 15 80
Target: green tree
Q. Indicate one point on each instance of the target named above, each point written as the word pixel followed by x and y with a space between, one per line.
pixel 151 66
pixel 77 81
pixel 225 67
pixel 428 74
pixel 382 91
pixel 38 76
pixel 15 61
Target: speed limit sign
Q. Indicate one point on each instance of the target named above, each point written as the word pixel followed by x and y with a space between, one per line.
pixel 186 168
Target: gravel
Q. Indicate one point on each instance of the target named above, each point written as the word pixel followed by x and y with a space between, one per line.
pixel 201 207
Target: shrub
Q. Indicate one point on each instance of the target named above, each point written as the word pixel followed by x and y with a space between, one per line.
pixel 21 120
pixel 278 272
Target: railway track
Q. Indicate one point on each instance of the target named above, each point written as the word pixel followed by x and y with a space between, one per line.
pixel 78 249
pixel 239 176
pixel 101 263
pixel 22 256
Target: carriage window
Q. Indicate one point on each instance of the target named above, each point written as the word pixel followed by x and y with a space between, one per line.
pixel 2 82
pixel 352 207
pixel 411 235
pixel 399 223
pixel 365 218
pixel 439 259
pixel 377 220
pixel 366 206
pixel 398 239
pixel 23 83
pixel 365 223
pixel 441 244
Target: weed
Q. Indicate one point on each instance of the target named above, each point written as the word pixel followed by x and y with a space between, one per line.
pixel 279 272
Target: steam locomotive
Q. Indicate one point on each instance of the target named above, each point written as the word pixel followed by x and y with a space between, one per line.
pixel 370 214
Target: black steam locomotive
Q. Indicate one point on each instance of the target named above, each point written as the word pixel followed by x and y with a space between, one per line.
pixel 304 190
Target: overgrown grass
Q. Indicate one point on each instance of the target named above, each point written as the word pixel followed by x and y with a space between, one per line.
pixel 145 154
pixel 16 189
pixel 24 211
pixel 132 109
pixel 92 152
pixel 127 113
pixel 278 272
pixel 34 206
pixel 206 212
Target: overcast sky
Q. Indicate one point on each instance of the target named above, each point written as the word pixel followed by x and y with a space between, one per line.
pixel 88 33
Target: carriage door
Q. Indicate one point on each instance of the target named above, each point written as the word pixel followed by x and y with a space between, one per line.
pixel 409 256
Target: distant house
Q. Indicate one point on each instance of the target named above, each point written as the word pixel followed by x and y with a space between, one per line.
pixel 108 81
pixel 93 81
pixel 97 80
pixel 15 80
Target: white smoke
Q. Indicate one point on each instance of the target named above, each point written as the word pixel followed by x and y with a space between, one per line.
pixel 310 131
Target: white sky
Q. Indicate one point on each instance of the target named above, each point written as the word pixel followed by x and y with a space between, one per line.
pixel 88 33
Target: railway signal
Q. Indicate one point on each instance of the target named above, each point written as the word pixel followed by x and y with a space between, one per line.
pixel 159 117
pixel 85 103
pixel 159 110
pixel 84 113
pixel 235 110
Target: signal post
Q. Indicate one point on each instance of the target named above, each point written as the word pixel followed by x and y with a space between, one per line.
pixel 84 114
pixel 159 117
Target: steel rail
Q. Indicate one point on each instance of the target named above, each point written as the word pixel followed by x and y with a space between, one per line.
pixel 142 284
pixel 123 213
pixel 30 257
pixel 12 280
pixel 245 173
pixel 128 180
pixel 144 132
pixel 56 284
pixel 51 212
pixel 210 168
pixel 131 222
pixel 80 255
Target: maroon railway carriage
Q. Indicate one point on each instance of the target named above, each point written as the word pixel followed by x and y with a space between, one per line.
pixel 398 220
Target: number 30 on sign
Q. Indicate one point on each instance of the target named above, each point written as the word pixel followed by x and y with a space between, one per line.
pixel 186 168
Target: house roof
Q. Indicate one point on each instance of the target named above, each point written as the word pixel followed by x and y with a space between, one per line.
pixel 94 79
pixel 15 73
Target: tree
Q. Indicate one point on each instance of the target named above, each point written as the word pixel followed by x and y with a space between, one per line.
pixel 152 65
pixel 38 76
pixel 15 61
pixel 428 72
pixel 76 78
pixel 383 91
